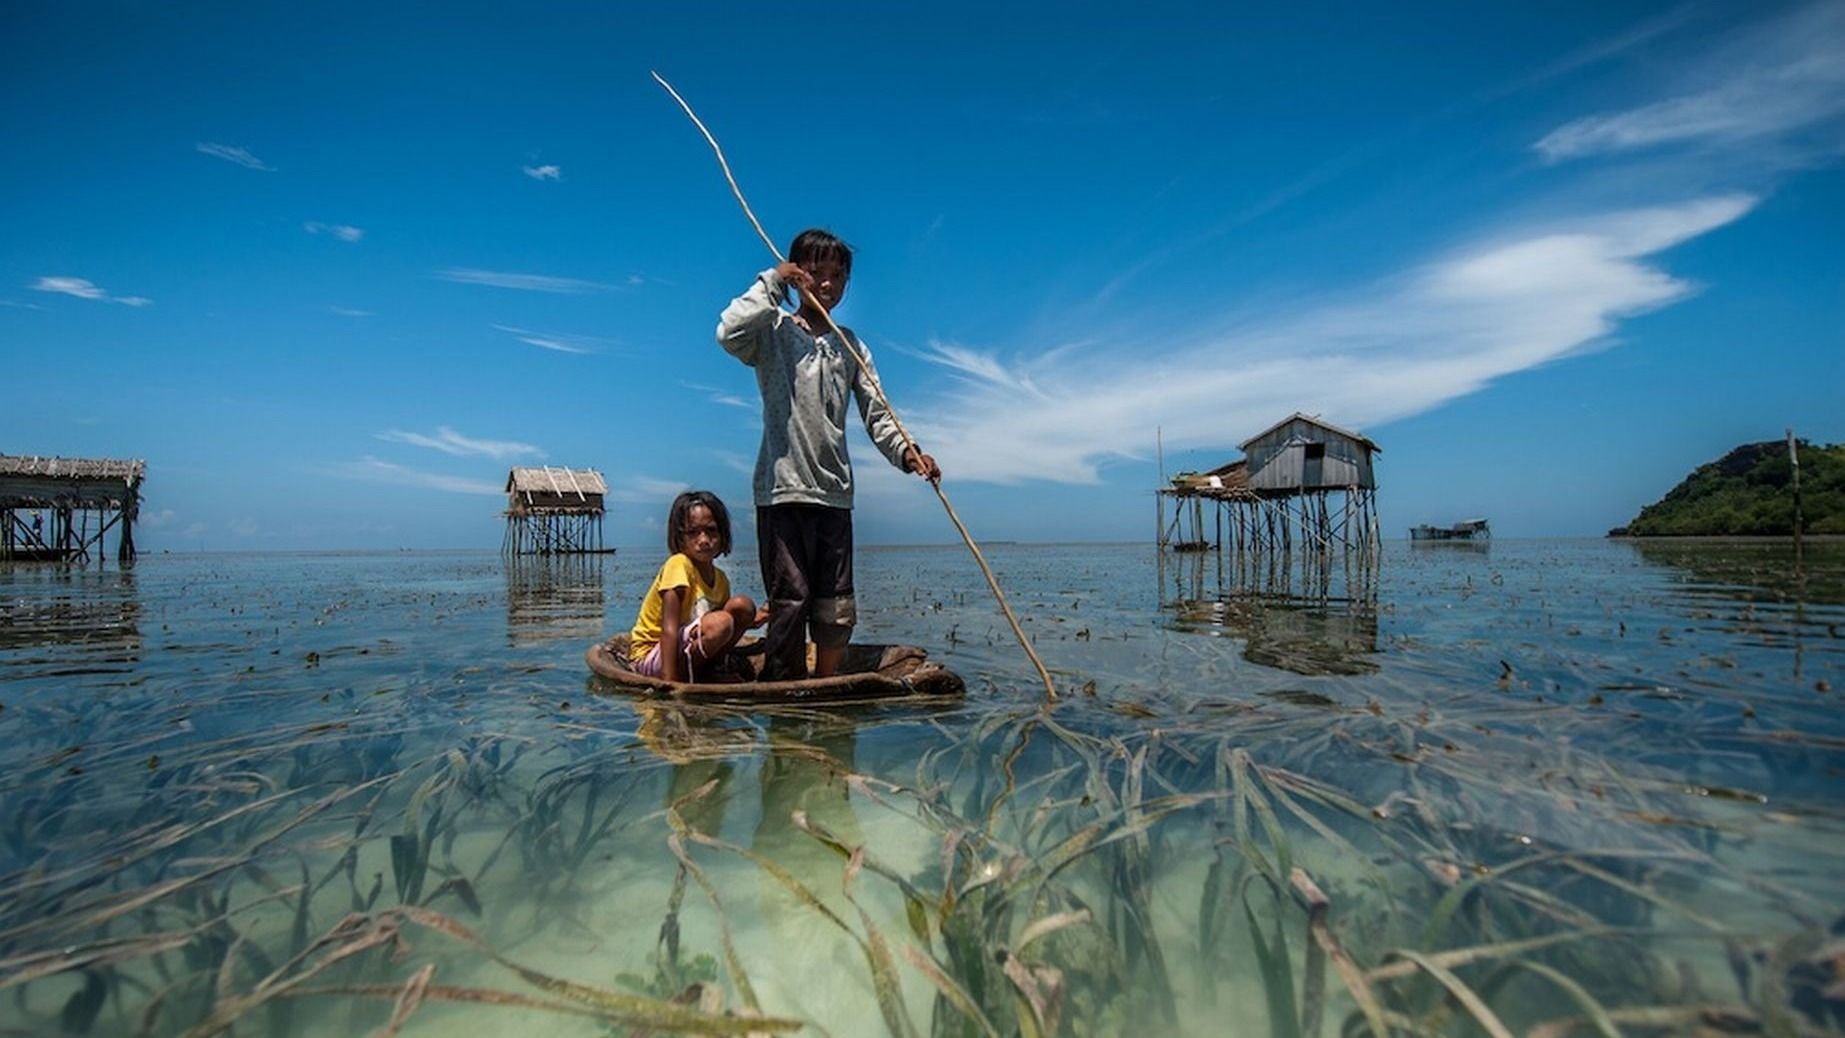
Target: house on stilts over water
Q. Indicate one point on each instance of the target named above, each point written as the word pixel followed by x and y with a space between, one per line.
pixel 1303 484
pixel 554 511
pixel 61 509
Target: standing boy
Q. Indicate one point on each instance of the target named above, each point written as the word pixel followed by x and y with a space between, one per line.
pixel 803 480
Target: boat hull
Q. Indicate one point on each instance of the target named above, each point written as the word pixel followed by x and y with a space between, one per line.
pixel 866 672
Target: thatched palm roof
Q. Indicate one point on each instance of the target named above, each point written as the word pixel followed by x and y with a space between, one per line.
pixel 556 480
pixel 40 466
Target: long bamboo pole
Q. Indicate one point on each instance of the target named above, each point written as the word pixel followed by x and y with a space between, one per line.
pixel 877 390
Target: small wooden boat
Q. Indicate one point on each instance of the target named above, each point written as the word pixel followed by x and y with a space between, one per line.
pixel 1465 530
pixel 866 672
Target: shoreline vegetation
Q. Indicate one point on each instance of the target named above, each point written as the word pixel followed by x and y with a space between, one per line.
pixel 1751 492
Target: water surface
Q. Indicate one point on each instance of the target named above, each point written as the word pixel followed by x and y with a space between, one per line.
pixel 1525 785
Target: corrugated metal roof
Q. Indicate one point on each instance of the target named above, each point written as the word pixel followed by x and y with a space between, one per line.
pixel 1316 420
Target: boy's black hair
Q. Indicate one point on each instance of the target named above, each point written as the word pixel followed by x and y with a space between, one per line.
pixel 815 244
pixel 682 510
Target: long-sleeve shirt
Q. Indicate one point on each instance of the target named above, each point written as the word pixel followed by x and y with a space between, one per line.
pixel 805 381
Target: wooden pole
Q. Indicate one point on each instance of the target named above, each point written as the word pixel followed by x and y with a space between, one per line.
pixel 1159 493
pixel 1793 457
pixel 877 390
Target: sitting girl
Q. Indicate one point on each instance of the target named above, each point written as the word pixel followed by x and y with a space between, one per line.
pixel 688 618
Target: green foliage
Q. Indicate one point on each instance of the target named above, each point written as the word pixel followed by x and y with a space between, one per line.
pixel 1749 492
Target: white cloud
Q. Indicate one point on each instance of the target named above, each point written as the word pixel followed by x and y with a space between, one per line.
pixel 560 342
pixel 237 155
pixel 448 441
pixel 155 520
pixel 344 232
pixel 735 462
pixel 372 470
pixel 1439 332
pixel 646 490
pixel 1775 79
pixel 523 282
pixel 347 311
pixel 17 305
pixel 715 395
pixel 244 526
pixel 84 288
pixel 546 172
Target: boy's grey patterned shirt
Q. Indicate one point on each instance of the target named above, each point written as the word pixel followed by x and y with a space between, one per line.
pixel 804 382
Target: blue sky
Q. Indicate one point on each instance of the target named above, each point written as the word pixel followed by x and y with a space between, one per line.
pixel 331 269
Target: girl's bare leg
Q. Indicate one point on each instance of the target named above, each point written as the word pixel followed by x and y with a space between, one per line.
pixel 716 633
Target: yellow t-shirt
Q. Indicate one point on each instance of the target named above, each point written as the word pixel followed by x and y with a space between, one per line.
pixel 678 572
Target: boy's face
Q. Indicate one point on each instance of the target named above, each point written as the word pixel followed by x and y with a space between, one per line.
pixel 830 277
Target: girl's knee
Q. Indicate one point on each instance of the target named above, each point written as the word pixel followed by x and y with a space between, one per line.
pixel 716 630
pixel 740 605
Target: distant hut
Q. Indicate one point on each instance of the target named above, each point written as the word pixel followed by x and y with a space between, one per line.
pixel 60 509
pixel 554 511
pixel 1302 483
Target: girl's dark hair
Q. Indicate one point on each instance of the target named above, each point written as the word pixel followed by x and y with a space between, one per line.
pixel 682 512
pixel 814 245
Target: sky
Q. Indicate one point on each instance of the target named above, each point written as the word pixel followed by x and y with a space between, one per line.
pixel 332 269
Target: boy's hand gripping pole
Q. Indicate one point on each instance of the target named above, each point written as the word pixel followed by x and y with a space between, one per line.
pixel 877 390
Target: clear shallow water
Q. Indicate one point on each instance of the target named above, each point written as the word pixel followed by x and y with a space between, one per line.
pixel 1614 767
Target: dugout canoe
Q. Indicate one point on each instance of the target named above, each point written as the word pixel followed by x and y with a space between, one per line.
pixel 866 672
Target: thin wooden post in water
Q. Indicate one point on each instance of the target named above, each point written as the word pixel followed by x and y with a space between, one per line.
pixel 1793 457
pixel 877 389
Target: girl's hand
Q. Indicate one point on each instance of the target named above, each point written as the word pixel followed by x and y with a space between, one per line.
pixel 762 617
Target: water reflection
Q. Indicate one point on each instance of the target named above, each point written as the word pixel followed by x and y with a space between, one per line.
pixel 85 617
pixel 554 597
pixel 1312 615
pixel 1754 570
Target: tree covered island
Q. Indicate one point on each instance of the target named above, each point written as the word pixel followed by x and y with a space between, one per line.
pixel 1750 492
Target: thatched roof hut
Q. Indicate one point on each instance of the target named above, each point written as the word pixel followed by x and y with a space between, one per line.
pixel 554 490
pixel 67 491
pixel 41 481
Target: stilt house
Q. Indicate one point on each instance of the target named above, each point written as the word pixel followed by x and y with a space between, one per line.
pixel 554 511
pixel 60 509
pixel 1302 483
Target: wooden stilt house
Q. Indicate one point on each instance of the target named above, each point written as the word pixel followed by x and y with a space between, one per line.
pixel 554 511
pixel 61 509
pixel 1302 484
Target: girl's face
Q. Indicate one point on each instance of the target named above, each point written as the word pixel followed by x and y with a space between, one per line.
pixel 699 538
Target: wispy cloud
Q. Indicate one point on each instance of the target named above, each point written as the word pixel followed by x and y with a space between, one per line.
pixel 155 520
pixel 522 282
pixel 344 232
pixel 1438 332
pixel 734 462
pixel 237 155
pixel 347 311
pixel 1774 79
pixel 17 305
pixel 448 441
pixel 646 490
pixel 719 396
pixel 546 172
pixel 560 342
pixel 373 470
pixel 84 288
